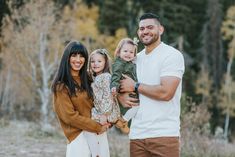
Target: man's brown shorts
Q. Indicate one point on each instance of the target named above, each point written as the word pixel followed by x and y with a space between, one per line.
pixel 155 147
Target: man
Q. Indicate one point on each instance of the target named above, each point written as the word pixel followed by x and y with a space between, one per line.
pixel 160 67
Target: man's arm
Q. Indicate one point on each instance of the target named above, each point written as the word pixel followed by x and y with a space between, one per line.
pixel 164 91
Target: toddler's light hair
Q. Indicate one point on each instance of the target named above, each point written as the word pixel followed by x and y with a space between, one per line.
pixel 121 43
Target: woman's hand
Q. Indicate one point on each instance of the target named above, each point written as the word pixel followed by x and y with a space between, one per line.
pixel 104 128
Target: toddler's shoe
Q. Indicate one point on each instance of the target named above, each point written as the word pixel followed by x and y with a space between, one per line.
pixel 122 125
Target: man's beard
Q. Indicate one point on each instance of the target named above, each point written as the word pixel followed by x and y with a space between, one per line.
pixel 153 40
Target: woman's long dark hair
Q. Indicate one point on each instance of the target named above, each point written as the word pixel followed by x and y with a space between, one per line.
pixel 63 75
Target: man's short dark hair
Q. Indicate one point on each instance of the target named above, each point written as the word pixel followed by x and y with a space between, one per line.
pixel 150 16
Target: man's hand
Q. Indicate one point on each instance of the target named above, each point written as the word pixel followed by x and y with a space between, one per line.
pixel 127 84
pixel 127 101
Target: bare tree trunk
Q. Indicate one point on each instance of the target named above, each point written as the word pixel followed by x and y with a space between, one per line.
pixel 181 43
pixel 7 98
pixel 228 89
pixel 47 68
pixel 226 125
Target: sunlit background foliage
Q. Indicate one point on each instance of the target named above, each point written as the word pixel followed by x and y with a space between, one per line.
pixel 33 34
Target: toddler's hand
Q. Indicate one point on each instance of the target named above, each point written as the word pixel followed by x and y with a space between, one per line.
pixel 114 91
pixel 103 119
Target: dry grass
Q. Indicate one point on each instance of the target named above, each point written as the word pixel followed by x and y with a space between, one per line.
pixel 197 140
pixel 24 139
pixel 195 145
pixel 21 139
pixel 119 144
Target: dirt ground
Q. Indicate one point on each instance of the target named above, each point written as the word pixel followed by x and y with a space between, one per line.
pixel 24 139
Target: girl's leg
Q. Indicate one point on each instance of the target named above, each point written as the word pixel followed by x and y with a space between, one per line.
pixel 130 113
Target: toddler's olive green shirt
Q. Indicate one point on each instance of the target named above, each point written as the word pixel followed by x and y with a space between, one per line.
pixel 120 67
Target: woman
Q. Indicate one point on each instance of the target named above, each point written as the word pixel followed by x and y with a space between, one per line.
pixel 72 95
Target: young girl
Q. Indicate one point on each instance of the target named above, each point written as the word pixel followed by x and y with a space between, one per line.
pixel 125 54
pixel 105 109
pixel 73 99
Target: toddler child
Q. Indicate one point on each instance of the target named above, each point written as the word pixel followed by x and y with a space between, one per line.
pixel 125 54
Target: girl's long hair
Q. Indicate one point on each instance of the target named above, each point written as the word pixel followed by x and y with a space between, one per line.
pixel 63 75
pixel 107 66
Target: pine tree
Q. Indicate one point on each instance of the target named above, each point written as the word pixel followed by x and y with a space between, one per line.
pixel 113 15
pixel 212 54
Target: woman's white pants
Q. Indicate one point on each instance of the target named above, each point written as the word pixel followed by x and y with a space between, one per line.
pixel 98 144
pixel 78 147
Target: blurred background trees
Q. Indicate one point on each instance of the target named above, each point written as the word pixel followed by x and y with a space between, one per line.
pixel 33 34
pixel 228 90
